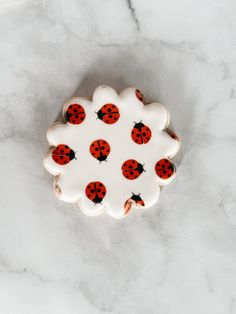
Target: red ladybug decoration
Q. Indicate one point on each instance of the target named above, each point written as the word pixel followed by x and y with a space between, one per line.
pixel 95 191
pixel 100 149
pixel 139 95
pixel 63 154
pixel 137 199
pixel 164 168
pixel 131 169
pixel 109 114
pixel 134 198
pixel 172 134
pixel 141 133
pixel 75 114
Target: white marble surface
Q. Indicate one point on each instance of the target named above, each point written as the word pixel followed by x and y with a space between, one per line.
pixel 177 258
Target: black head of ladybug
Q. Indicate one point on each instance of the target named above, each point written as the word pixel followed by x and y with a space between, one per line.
pixel 97 200
pixel 100 114
pixel 140 168
pixel 67 116
pixel 136 197
pixel 102 158
pixel 72 154
pixel 138 125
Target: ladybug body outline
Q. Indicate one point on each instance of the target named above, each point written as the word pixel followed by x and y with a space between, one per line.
pixel 108 113
pixel 75 114
pixel 172 134
pixel 164 168
pixel 63 154
pixel 141 133
pixel 137 199
pixel 132 169
pixel 139 95
pixel 95 192
pixel 100 149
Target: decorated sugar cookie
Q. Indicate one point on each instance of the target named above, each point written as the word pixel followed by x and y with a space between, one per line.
pixel 112 153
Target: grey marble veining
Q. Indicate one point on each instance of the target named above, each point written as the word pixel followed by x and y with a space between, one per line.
pixel 176 258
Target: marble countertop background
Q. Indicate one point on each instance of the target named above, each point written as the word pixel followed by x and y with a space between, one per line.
pixel 176 258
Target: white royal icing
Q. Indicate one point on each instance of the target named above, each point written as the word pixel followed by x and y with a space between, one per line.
pixel 72 178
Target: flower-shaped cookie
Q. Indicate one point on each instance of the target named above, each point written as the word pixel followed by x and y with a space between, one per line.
pixel 112 153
